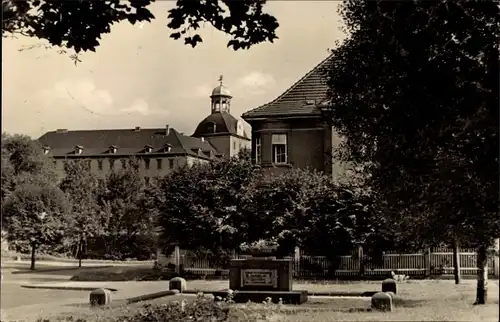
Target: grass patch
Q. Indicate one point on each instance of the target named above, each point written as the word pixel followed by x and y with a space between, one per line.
pixel 319 310
pixel 51 269
pixel 121 273
pixel 11 256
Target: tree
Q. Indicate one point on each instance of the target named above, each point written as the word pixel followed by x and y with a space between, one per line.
pixel 36 214
pixel 79 25
pixel 23 161
pixel 315 212
pixel 414 90
pixel 81 188
pixel 208 206
pixel 125 219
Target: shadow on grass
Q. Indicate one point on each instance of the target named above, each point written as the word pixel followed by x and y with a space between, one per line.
pixel 121 274
pixel 410 303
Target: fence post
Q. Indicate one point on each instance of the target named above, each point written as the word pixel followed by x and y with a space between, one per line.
pixel 456 262
pixel 177 259
pixel 361 262
pixel 296 259
pixel 427 255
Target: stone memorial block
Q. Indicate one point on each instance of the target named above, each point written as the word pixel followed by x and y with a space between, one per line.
pixel 258 279
pixel 260 274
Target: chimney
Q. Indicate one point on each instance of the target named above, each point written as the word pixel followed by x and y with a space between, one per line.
pixel 61 130
pixel 137 128
pixel 167 129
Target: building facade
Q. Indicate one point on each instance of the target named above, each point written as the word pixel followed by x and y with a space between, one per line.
pixel 290 131
pixel 159 150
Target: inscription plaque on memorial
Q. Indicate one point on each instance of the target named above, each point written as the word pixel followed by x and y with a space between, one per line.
pixel 259 277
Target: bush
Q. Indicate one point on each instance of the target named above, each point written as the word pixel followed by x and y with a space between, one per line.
pixel 202 309
pixel 141 247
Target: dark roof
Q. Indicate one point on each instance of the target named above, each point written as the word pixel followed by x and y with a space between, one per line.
pixel 127 142
pixel 224 122
pixel 302 98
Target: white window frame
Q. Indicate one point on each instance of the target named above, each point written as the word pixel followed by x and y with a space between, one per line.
pixel 258 150
pixel 278 141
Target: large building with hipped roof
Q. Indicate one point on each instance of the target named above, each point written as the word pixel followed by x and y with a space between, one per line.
pixel 159 150
pixel 290 131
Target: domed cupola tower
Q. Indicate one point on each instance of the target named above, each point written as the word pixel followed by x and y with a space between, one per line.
pixel 221 98
pixel 224 132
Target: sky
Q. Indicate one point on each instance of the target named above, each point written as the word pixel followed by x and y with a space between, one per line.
pixel 139 76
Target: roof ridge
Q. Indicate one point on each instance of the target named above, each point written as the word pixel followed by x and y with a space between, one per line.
pixel 123 129
pixel 225 116
pixel 176 136
pixel 293 86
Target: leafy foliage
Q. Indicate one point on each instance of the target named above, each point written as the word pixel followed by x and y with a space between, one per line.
pixel 81 187
pixel 309 209
pixel 79 25
pixel 207 205
pixel 22 162
pixel 36 214
pixel 415 93
pixel 125 218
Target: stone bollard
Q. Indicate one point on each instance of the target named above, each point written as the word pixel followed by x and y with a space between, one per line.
pixel 392 295
pixel 389 285
pixel 177 283
pixel 382 302
pixel 100 296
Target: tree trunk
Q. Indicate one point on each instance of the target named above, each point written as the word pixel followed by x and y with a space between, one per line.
pixel 80 252
pixel 456 262
pixel 33 250
pixel 482 275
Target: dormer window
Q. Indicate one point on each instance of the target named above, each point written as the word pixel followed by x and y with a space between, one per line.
pixel 210 153
pixel 212 127
pixel 46 149
pixel 148 149
pixel 196 150
pixel 112 149
pixel 167 147
pixel 78 149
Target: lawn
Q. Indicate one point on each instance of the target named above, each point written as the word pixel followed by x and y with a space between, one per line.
pixel 416 301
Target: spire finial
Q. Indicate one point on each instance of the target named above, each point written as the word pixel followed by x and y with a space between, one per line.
pixel 221 77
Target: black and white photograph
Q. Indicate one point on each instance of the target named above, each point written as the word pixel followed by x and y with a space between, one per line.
pixel 250 160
